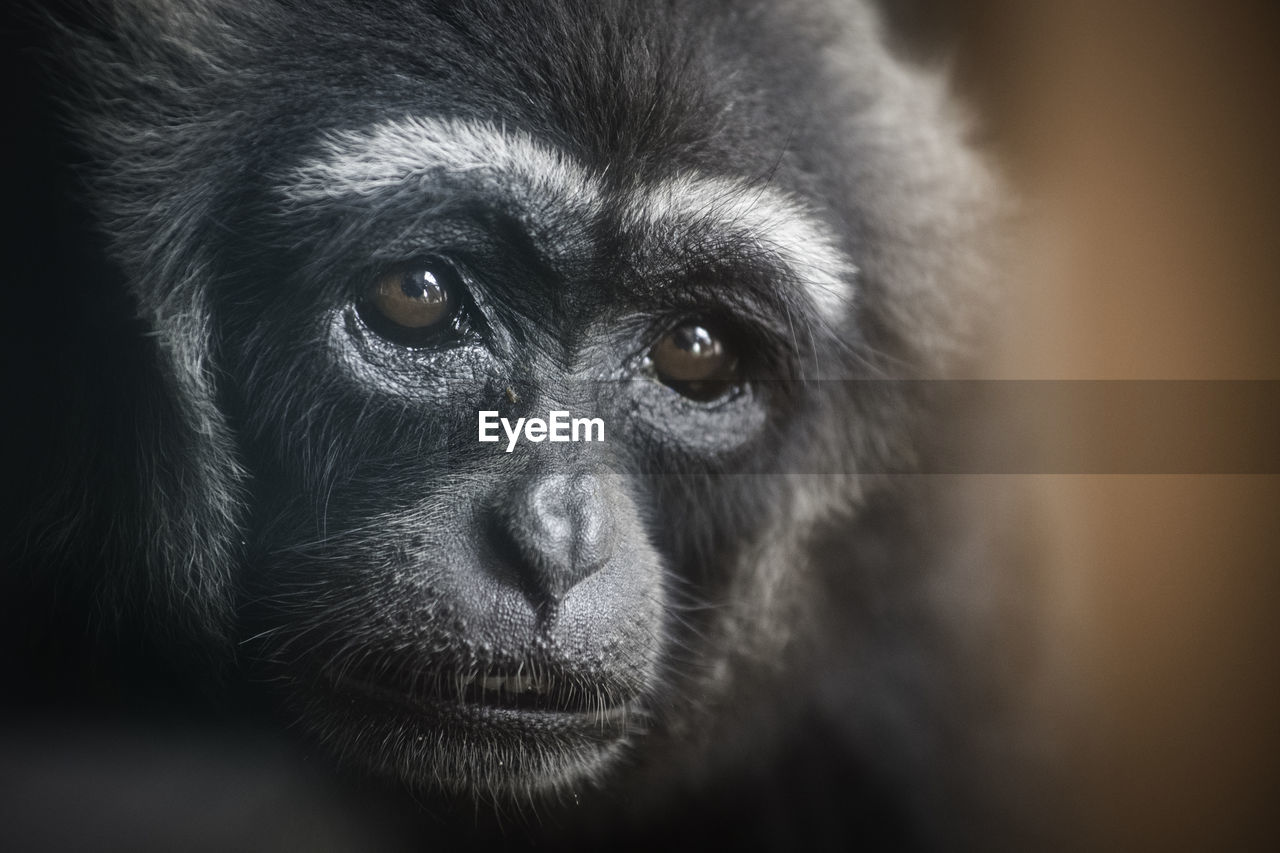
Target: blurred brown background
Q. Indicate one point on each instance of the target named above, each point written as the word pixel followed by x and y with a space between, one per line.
pixel 1144 137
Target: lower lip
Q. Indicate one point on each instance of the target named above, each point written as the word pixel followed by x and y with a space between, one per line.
pixel 545 719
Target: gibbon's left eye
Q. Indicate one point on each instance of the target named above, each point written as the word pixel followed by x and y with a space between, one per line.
pixel 410 303
pixel 695 361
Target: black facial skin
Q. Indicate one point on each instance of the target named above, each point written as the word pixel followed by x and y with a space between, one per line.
pixel 455 566
pixel 249 489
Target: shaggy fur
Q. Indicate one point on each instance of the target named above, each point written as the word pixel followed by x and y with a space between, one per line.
pixel 234 489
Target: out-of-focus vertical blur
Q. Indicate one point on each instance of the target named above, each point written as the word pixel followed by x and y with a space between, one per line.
pixel 1144 138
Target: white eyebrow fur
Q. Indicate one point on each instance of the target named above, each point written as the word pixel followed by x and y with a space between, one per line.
pixel 768 219
pixel 397 153
pixel 541 179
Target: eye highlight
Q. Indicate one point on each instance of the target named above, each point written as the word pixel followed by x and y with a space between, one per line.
pixel 410 304
pixel 695 361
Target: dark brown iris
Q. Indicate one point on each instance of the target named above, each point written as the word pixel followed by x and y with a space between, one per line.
pixel 693 360
pixel 413 298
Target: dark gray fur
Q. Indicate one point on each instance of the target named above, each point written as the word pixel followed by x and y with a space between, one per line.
pixel 222 506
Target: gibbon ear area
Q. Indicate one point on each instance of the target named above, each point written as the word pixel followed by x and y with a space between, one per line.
pixel 563 526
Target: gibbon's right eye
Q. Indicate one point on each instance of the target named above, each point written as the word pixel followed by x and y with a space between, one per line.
pixel 411 304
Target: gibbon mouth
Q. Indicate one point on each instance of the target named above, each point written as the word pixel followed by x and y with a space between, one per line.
pixel 488 692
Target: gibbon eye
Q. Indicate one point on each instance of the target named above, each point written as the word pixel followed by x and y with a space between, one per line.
pixel 695 362
pixel 415 298
pixel 408 304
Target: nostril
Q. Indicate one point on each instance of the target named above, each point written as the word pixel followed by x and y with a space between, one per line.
pixel 550 514
pixel 564 526
pixel 593 516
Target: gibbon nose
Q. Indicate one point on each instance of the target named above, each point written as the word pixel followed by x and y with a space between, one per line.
pixel 564 527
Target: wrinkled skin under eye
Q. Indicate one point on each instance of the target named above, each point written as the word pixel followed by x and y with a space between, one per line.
pixel 695 361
